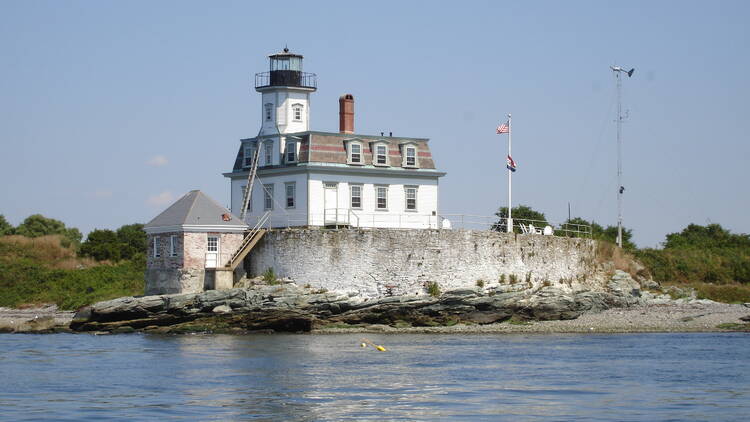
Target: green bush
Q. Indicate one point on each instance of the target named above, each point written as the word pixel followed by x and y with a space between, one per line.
pixel 269 276
pixel 433 289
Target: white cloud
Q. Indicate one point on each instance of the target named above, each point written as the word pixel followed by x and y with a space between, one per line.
pixel 161 199
pixel 158 161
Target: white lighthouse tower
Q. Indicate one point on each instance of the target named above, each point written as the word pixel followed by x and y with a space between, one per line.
pixel 285 94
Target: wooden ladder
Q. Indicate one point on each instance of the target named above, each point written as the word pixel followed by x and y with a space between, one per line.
pixel 249 242
pixel 249 186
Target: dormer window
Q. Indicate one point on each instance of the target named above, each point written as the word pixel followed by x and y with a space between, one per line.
pixel 356 153
pixel 297 112
pixel 268 111
pixel 381 155
pixel 247 155
pixel 291 152
pixel 409 154
pixel 268 153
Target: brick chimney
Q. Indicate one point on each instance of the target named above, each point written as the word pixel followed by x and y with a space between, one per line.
pixel 346 113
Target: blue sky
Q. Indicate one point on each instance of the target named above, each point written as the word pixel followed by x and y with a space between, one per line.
pixel 108 111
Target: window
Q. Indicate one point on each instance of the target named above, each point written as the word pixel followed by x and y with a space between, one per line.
pixel 381 154
pixel 411 198
pixel 356 196
pixel 269 111
pixel 291 149
pixel 249 199
pixel 172 245
pixel 268 197
pixel 268 153
pixel 411 157
pixel 248 153
pixel 381 194
pixel 156 251
pixel 291 191
pixel 297 112
pixel 355 155
pixel 213 244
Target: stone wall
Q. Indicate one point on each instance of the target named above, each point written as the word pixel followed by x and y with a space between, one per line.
pixel 375 263
pixel 186 272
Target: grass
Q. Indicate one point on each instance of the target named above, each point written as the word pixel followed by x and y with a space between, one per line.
pixel 480 283
pixel 270 276
pixel 41 270
pixel 433 289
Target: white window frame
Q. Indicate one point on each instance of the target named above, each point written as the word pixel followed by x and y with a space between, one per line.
pixel 156 245
pixel 406 198
pixel 268 112
pixel 215 247
pixel 376 155
pixel 350 153
pixel 352 188
pixel 293 197
pixel 268 153
pixel 291 147
pixel 247 159
pixel 412 148
pixel 268 197
pixel 297 110
pixel 173 245
pixel 377 197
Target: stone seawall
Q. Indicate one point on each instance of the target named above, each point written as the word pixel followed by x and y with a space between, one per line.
pixel 381 262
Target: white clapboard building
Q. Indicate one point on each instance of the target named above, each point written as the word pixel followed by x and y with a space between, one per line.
pixel 311 178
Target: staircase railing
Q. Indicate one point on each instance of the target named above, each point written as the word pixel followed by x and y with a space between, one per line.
pixel 249 238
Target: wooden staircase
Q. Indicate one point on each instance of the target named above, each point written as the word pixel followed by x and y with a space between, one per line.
pixel 251 239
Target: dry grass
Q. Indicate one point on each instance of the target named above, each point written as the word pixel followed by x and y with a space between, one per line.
pixel 44 249
pixel 622 260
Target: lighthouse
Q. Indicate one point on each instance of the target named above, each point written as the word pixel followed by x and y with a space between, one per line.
pixel 285 94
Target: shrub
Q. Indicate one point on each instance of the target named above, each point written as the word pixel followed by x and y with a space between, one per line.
pixel 433 289
pixel 502 278
pixel 480 283
pixel 269 276
pixel 513 279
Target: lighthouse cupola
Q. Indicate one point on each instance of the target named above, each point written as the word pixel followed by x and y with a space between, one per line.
pixel 285 90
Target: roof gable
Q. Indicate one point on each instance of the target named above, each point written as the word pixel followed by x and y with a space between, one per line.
pixel 196 208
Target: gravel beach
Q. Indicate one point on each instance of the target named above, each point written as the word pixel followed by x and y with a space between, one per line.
pixel 695 316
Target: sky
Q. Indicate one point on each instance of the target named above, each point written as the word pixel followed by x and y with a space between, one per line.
pixel 109 111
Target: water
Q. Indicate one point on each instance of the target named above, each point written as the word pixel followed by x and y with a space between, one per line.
pixel 622 377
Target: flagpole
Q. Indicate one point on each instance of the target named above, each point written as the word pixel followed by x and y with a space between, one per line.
pixel 510 172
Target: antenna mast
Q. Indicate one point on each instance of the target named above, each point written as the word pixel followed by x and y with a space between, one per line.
pixel 620 188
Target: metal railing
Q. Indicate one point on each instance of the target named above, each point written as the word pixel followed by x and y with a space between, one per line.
pixel 286 78
pixel 346 218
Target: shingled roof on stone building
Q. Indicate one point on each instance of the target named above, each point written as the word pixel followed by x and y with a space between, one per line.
pixel 195 211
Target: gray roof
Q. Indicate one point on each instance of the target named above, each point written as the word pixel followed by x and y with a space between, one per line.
pixel 195 208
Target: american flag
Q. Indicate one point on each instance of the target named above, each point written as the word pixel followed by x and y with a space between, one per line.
pixel 503 128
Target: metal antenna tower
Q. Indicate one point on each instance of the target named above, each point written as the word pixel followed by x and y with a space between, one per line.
pixel 620 188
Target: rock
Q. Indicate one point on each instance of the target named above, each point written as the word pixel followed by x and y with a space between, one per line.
pixel 745 318
pixel 222 309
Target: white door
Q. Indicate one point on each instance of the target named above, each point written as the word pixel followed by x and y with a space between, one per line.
pixel 330 202
pixel 212 252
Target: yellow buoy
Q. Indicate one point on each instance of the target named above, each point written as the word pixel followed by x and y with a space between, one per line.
pixel 381 348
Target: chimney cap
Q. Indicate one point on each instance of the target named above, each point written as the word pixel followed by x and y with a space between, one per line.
pixel 346 97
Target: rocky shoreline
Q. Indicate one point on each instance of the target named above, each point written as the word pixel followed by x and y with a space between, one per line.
pixel 623 306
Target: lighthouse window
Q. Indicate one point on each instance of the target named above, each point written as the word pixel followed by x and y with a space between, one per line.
pixel 268 197
pixel 381 193
pixel 290 152
pixel 411 198
pixel 213 244
pixel 411 156
pixel 156 251
pixel 269 153
pixel 269 110
pixel 356 196
pixel 381 154
pixel 248 156
pixel 356 153
pixel 291 190
pixel 297 112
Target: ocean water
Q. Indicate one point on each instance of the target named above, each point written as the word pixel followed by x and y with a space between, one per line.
pixel 619 377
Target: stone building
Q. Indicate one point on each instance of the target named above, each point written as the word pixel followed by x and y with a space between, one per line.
pixel 191 244
pixel 312 178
